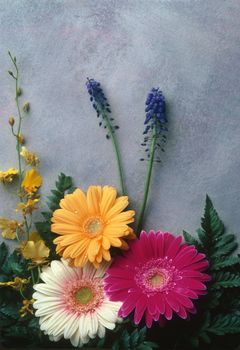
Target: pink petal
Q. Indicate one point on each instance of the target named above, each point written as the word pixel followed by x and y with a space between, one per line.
pixel 191 284
pixel 172 301
pixel 140 309
pixel 184 301
pixel 161 304
pixel 168 311
pixel 174 247
pixel 168 239
pixel 182 312
pixel 152 305
pixel 186 292
pixel 160 245
pixel 149 319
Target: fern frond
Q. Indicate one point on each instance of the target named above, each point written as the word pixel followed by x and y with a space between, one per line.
pixel 225 280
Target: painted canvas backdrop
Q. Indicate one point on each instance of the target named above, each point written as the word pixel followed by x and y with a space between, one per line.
pixel 190 49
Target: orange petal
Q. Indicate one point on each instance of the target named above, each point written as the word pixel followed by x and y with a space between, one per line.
pixel 108 199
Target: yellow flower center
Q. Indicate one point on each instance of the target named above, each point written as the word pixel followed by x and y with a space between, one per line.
pixel 157 280
pixel 93 226
pixel 84 295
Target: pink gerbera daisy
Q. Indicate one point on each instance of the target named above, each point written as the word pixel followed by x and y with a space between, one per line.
pixel 157 276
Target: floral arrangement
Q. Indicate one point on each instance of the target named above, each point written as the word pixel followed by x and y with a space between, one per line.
pixel 87 276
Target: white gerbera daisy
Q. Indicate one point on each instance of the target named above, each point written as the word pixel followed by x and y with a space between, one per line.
pixel 71 303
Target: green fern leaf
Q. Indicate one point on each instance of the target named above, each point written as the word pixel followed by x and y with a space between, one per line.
pixel 220 263
pixel 225 324
pixel 225 280
pixel 212 227
pixel 191 240
pixel 63 184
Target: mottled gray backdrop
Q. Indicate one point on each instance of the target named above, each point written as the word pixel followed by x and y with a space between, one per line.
pixel 188 48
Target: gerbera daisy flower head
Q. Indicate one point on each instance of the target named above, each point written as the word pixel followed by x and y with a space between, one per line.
pixel 158 276
pixel 71 303
pixel 89 224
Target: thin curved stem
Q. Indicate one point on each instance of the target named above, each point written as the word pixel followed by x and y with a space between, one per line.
pixel 147 182
pixel 117 154
pixel 17 135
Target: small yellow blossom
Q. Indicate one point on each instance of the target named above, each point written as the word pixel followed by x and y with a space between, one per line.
pixel 9 228
pixel 27 307
pixel 28 207
pixel 17 284
pixel 35 249
pixel 21 139
pixel 30 157
pixel 32 181
pixel 8 176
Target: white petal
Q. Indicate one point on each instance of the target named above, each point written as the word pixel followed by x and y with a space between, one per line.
pixel 46 299
pixel 71 271
pixel 108 313
pixel 48 310
pixel 75 339
pixel 106 323
pixel 84 325
pixel 49 278
pixel 48 289
pixel 93 326
pixel 60 324
pixel 100 272
pixel 52 338
pixel 89 271
pixel 101 330
pixel 49 325
pixel 71 326
pixel 58 269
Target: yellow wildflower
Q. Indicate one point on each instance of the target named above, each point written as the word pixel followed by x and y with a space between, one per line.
pixel 8 176
pixel 35 249
pixel 9 228
pixel 30 157
pixel 21 139
pixel 27 307
pixel 17 284
pixel 32 181
pixel 28 207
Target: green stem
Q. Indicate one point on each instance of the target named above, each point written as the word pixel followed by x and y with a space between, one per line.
pixel 117 153
pixel 33 278
pixel 147 182
pixel 20 118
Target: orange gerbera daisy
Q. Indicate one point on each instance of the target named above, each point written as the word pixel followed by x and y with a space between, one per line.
pixel 89 224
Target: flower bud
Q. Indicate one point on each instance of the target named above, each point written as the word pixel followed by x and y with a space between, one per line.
pixel 11 121
pixel 19 91
pixel 26 107
pixel 21 139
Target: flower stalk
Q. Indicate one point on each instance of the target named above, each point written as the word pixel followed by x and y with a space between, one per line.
pixel 155 138
pixel 147 181
pixel 102 107
pixel 117 154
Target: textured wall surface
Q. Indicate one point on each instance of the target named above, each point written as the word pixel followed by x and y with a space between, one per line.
pixel 188 48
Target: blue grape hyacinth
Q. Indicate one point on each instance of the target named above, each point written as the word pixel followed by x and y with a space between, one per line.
pixel 155 121
pixel 101 105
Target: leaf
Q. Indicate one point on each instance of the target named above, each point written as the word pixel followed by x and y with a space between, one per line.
pixel 226 280
pixel 225 324
pixel 63 184
pixel 190 239
pixel 212 227
pixel 10 310
pixel 220 263
pixel 3 253
pixel 134 340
